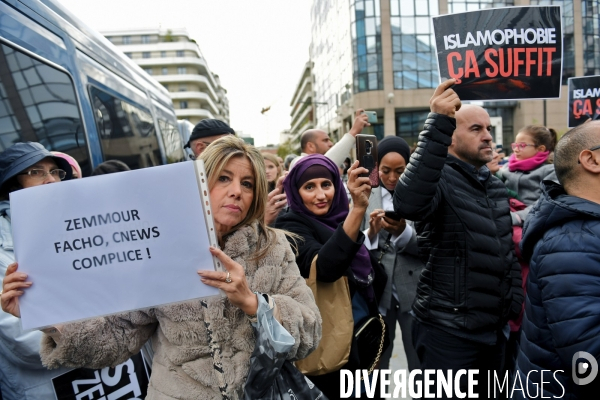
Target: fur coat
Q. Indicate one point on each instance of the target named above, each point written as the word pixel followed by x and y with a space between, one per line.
pixel 182 367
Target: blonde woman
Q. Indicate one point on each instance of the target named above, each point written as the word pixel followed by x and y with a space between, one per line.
pixel 272 168
pixel 257 259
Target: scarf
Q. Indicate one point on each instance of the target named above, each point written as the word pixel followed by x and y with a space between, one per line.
pixel 392 144
pixel 361 267
pixel 529 164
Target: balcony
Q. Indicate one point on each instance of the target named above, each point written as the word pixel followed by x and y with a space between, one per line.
pixel 299 114
pixel 159 62
pixel 187 113
pixel 302 124
pixel 201 80
pixel 204 99
pixel 305 87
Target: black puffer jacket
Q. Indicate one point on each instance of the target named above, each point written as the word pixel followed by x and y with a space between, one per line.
pixel 472 279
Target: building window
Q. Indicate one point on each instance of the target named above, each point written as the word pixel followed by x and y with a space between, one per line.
pixel 182 88
pixel 148 71
pixel 458 6
pixel 127 132
pixel 126 39
pixel 163 54
pixel 181 70
pixel 165 71
pixel 591 39
pixel 414 61
pixel 146 54
pixel 128 54
pixel 568 36
pixel 366 44
pixel 183 104
pixel 179 53
pixel 410 124
pixel 145 39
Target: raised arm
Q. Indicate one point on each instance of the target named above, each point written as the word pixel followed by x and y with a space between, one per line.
pixel 341 149
pixel 418 193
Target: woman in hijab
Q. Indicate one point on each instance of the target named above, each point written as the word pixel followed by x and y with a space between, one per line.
pixel 393 242
pixel 330 232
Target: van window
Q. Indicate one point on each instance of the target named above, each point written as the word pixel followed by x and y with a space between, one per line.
pixel 172 140
pixel 38 104
pixel 127 132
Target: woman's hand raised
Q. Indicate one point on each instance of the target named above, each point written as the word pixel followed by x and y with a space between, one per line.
pixel 359 186
pixel 233 283
pixel 12 288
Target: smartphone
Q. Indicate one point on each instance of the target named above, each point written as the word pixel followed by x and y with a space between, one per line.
pixel 366 153
pixel 371 117
pixel 393 215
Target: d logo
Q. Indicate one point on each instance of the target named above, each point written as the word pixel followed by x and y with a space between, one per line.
pixel 580 368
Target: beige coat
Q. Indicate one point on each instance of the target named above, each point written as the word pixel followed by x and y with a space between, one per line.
pixel 183 367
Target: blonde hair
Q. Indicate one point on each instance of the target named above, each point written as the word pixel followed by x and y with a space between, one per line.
pixel 215 157
pixel 274 160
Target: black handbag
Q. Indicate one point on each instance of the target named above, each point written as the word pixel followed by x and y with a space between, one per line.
pixel 371 338
pixel 271 376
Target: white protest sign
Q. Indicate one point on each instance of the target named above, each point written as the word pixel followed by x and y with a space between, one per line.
pixel 112 243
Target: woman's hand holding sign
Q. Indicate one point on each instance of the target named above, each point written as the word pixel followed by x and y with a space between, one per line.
pixel 12 288
pixel 233 283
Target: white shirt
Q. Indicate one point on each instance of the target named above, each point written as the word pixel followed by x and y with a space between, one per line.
pixel 398 241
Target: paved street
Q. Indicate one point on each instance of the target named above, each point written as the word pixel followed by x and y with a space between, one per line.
pixel 398 360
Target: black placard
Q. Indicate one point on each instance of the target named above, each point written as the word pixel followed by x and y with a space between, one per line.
pixel 502 54
pixel 128 380
pixel 584 99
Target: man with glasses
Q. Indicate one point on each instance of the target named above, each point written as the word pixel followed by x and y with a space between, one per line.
pixel 471 284
pixel 561 241
pixel 206 132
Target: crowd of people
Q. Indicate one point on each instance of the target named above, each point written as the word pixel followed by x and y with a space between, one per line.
pixel 482 263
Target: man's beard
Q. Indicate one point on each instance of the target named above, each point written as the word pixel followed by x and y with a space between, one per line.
pixel 477 159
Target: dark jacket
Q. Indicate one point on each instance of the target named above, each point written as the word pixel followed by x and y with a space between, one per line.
pixel 471 279
pixel 561 241
pixel 334 248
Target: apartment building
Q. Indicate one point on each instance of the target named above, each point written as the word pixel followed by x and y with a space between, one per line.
pixel 303 117
pixel 175 60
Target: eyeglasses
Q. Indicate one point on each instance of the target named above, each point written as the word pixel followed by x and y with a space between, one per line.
pixel 592 149
pixel 520 146
pixel 38 173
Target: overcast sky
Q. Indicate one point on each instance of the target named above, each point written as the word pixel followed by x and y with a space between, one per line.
pixel 258 48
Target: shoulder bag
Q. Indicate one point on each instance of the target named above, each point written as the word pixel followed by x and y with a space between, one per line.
pixel 333 300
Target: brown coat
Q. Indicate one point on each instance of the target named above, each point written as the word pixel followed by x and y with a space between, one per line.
pixel 182 367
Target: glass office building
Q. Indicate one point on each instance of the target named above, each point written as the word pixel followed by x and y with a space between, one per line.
pixel 380 55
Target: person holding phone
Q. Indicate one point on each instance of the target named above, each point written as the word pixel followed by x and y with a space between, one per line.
pixel 330 236
pixel 317 141
pixel 393 242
